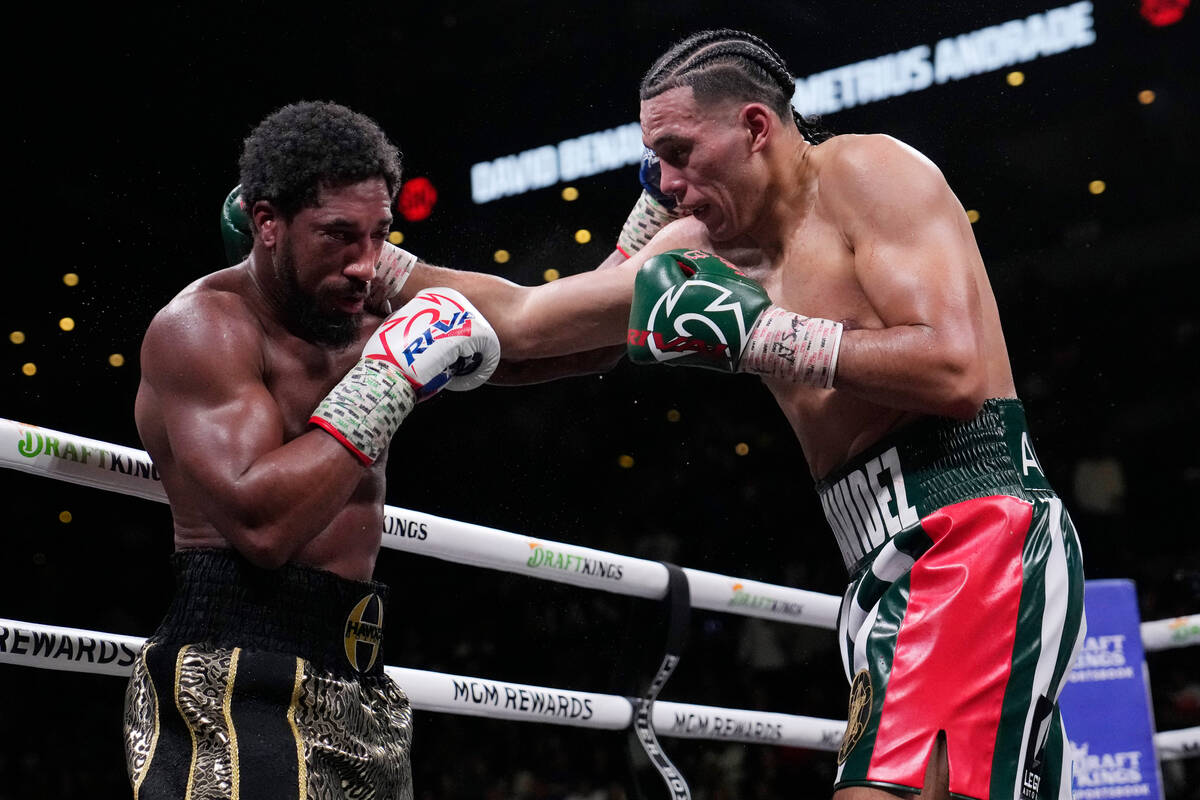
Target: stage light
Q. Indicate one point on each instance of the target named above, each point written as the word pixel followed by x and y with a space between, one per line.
pixel 116 359
pixel 16 337
pixel 1097 187
pixel 501 256
pixel 570 193
pixel 583 236
pixel 67 324
pixel 417 199
pixel 396 237
pixel 1161 13
pixel 1146 96
pixel 972 216
pixel 625 462
pixel 71 279
pixel 1015 78
pixel 550 275
pixel 64 516
pixel 673 415
pixel 741 448
pixel 29 368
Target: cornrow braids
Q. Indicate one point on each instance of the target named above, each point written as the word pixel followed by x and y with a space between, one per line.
pixel 727 63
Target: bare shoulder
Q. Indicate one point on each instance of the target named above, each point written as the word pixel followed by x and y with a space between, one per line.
pixel 851 155
pixel 209 325
pixel 863 175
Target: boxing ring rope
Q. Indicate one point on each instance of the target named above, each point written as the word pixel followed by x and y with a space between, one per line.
pixel 126 470
pixel 75 650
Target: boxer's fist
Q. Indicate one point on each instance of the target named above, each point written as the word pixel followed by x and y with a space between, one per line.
pixel 438 339
pixel 236 231
pixel 652 212
pixel 650 175
pixel 693 308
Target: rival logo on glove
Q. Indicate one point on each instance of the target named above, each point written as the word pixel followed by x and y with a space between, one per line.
pixel 685 342
pixel 680 344
pixel 457 325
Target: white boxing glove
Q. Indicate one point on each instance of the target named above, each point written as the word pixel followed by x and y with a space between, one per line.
pixel 438 339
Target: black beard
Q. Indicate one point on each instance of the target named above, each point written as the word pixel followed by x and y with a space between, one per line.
pixel 301 311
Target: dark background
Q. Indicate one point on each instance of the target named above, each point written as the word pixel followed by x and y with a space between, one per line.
pixel 124 131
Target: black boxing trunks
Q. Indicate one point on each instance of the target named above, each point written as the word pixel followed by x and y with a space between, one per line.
pixel 266 684
pixel 964 612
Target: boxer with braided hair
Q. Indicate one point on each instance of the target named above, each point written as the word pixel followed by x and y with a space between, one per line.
pixel 843 270
pixel 728 63
pixel 717 65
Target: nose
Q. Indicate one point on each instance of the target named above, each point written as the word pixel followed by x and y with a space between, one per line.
pixel 362 266
pixel 671 182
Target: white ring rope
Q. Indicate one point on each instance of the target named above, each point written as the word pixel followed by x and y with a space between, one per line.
pixel 52 647
pixel 90 462
pixel 76 459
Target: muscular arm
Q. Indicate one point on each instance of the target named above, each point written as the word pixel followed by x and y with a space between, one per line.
pixel 571 315
pixel 916 261
pixel 202 372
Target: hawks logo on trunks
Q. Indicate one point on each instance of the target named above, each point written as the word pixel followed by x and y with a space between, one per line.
pixel 364 632
pixel 859 713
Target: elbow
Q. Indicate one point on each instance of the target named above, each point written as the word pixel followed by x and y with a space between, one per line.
pixel 260 540
pixel 964 389
pixel 262 549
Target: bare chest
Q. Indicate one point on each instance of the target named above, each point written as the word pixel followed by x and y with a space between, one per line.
pixel 814 275
pixel 299 375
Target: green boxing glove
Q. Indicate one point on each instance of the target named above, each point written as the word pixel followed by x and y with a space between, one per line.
pixel 235 228
pixel 692 308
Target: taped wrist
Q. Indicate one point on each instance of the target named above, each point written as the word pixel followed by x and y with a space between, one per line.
pixel 395 265
pixel 793 347
pixel 647 218
pixel 366 407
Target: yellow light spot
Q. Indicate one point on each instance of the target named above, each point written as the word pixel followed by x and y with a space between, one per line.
pixel 501 256
pixel 67 324
pixel 116 359
pixel 625 462
pixel 673 415
pixel 550 275
pixel 1097 187
pixel 972 216
pixel 1146 96
pixel 16 337
pixel 741 448
pixel 570 193
pixel 71 279
pixel 64 516
pixel 29 368
pixel 396 237
pixel 583 236
pixel 1015 78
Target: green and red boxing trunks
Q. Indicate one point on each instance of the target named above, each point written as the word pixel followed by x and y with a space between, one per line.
pixel 964 611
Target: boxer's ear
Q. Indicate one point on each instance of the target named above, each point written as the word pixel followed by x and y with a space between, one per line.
pixel 266 219
pixel 758 122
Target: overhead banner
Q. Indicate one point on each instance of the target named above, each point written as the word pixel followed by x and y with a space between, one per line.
pixel 1106 702
pixel 910 70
